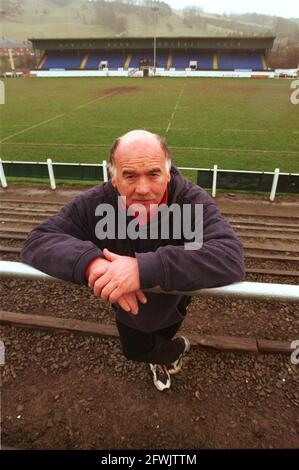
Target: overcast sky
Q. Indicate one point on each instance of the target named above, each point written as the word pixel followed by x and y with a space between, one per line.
pixel 285 8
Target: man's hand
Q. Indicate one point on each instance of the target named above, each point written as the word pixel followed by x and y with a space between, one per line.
pixel 98 268
pixel 129 301
pixel 121 277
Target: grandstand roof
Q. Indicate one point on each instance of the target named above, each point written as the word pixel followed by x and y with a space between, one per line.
pixel 162 42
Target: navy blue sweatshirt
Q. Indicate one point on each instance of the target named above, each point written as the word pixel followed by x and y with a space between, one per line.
pixel 64 245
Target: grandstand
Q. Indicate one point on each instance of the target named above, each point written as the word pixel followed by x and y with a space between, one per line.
pixel 244 60
pixel 172 54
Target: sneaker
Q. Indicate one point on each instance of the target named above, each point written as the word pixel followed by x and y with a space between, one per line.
pixel 177 365
pixel 161 377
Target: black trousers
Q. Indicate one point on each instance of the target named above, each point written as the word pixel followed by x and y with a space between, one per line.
pixel 156 348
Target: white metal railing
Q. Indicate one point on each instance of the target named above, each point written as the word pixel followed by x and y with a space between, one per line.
pixel 214 183
pixel 253 290
pixel 50 164
pixel 51 174
pixel 216 171
pixel 2 176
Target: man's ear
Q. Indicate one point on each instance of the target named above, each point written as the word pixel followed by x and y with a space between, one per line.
pixel 168 177
pixel 112 175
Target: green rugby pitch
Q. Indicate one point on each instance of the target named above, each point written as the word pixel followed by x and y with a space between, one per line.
pixel 244 124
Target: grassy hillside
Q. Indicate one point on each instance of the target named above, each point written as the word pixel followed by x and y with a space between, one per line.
pixel 82 18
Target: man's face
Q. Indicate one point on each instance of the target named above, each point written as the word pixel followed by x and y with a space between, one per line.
pixel 141 173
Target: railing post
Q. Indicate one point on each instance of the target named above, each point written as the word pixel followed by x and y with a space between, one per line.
pixel 105 171
pixel 51 173
pixel 274 184
pixel 214 185
pixel 2 176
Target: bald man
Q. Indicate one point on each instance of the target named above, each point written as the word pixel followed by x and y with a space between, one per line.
pixel 119 264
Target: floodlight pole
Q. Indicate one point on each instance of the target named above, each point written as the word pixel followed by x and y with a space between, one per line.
pixel 155 39
pixel 155 49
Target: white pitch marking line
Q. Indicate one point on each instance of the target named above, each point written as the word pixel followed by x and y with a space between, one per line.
pixel 31 127
pixel 93 101
pixel 246 130
pixel 55 117
pixel 51 144
pixel 286 152
pixel 176 107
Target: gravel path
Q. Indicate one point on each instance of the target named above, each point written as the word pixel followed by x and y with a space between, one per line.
pixel 68 391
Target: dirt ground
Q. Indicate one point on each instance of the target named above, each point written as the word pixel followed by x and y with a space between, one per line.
pixel 66 391
pixel 238 202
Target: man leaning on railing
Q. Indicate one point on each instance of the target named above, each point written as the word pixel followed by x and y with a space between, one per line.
pixel 148 226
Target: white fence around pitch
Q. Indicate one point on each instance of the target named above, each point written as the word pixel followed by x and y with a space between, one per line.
pixel 50 169
pixel 159 72
pixel 217 173
pixel 251 290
